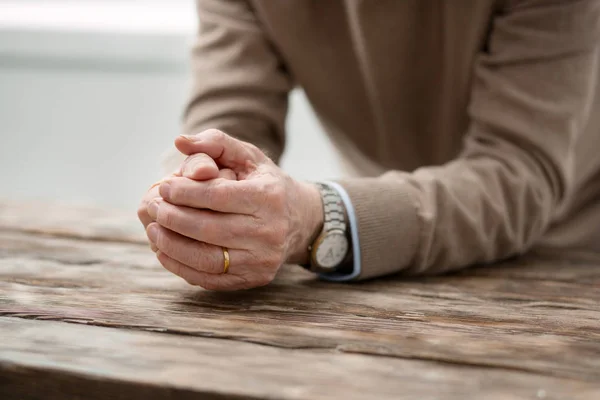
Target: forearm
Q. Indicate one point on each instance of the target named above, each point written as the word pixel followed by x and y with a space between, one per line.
pixel 530 102
pixel 436 219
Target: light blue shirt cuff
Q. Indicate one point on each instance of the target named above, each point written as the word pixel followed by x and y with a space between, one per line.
pixel 339 277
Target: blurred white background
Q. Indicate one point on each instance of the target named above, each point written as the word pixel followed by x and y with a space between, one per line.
pixel 91 95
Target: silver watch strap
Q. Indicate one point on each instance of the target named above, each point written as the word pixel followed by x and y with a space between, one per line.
pixel 333 209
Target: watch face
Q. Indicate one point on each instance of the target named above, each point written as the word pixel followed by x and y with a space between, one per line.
pixel 332 250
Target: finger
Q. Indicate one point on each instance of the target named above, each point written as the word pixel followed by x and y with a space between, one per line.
pixel 228 174
pixel 142 211
pixel 234 231
pixel 230 196
pixel 200 167
pixel 221 282
pixel 190 275
pixel 224 149
pixel 200 256
pixel 151 194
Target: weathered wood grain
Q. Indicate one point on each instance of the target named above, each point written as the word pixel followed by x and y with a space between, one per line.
pixel 139 365
pixel 536 318
pixel 543 326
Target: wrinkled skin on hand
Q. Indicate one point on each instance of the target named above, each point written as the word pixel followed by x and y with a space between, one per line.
pixel 229 194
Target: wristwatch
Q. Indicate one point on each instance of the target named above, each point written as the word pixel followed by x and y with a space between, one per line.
pixel 331 249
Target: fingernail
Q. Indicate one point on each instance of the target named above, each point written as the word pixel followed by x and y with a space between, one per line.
pixel 165 190
pixel 186 169
pixel 189 169
pixel 152 232
pixel 153 209
pixel 191 138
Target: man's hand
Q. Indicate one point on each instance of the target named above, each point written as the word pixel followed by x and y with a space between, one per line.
pixel 199 166
pixel 263 217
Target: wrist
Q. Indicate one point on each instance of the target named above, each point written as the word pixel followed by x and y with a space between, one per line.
pixel 311 219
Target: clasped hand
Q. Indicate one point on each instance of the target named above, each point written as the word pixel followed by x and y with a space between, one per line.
pixel 229 194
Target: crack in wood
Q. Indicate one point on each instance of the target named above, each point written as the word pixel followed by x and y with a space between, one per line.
pixel 533 315
pixel 55 284
pixel 348 348
pixel 55 233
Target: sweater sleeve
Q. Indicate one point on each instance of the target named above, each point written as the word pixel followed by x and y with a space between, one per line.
pixel 240 85
pixel 531 97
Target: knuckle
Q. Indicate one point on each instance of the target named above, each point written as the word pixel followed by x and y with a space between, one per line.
pixel 274 235
pixel 197 161
pixel 202 224
pixel 253 197
pixel 177 191
pixel 227 174
pixel 166 217
pixel 163 261
pixel 215 134
pixel 198 259
pixel 142 212
pixel 221 193
pixel 185 166
pixel 166 195
pixel 164 243
pixel 195 158
pixel 231 234
pixel 191 192
pixel 236 231
pixel 276 195
pixel 282 229
pixel 216 194
pixel 209 196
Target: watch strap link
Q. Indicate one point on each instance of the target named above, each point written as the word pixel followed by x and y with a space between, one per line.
pixel 333 209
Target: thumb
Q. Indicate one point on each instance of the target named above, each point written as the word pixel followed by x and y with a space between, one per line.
pixel 226 150
pixel 199 167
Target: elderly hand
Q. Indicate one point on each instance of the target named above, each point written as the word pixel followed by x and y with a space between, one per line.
pixel 199 166
pixel 261 215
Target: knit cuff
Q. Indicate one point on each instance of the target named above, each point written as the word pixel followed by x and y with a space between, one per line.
pixel 388 224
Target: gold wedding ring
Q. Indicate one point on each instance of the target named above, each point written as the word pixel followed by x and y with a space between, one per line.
pixel 226 260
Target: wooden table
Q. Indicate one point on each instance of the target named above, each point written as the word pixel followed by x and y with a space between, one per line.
pixel 87 312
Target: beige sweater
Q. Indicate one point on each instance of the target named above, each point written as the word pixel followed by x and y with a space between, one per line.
pixel 483 116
